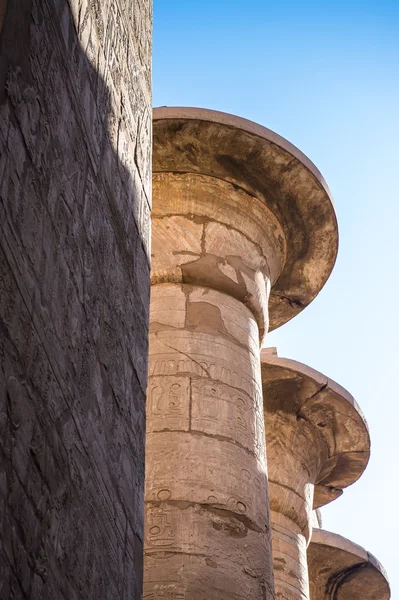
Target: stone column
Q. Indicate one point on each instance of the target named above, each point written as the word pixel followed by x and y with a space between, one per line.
pixel 75 195
pixel 217 251
pixel 342 570
pixel 318 443
pixel 207 504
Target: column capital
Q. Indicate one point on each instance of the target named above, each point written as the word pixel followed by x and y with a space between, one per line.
pixel 239 209
pixel 317 444
pixel 317 438
pixel 340 569
pixel 319 425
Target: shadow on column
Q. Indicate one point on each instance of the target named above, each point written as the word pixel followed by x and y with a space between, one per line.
pixel 75 127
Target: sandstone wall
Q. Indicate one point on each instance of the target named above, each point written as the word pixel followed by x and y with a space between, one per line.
pixel 75 179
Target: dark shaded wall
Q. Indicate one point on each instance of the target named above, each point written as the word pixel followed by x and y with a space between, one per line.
pixel 75 176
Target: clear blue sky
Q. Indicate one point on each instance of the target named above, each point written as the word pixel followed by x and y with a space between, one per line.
pixel 325 76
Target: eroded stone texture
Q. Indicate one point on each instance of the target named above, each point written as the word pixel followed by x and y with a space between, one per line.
pixel 342 570
pixel 204 231
pixel 207 525
pixel 240 171
pixel 207 533
pixel 75 126
pixel 317 443
pixel 3 6
pixel 234 205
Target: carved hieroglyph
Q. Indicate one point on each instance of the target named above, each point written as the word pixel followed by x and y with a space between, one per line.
pixel 221 240
pixel 318 443
pixel 75 185
pixel 207 531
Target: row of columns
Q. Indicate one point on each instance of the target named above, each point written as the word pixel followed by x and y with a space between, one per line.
pixel 242 223
pixel 318 443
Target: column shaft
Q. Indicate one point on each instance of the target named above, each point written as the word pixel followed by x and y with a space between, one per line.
pixel 207 534
pixel 294 456
pixel 289 559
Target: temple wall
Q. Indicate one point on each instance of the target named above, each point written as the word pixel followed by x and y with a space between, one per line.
pixel 75 188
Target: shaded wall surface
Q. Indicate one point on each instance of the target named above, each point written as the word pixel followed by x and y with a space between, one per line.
pixel 75 129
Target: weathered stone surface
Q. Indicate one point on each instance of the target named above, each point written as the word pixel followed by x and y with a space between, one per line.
pixel 207 523
pixel 3 7
pixel 75 129
pixel 206 233
pixel 342 570
pixel 317 443
pixel 228 171
pixel 239 214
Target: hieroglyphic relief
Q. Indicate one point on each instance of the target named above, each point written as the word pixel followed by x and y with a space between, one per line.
pixel 202 578
pixel 200 365
pixel 160 593
pixel 168 403
pixel 196 531
pixel 74 296
pixel 212 473
pixel 218 409
pixel 235 400
pixel 162 529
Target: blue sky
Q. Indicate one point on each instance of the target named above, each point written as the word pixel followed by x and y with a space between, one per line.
pixel 325 76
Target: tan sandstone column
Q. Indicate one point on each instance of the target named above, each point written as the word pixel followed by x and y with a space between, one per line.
pixel 318 443
pixel 207 505
pixel 342 570
pixel 218 249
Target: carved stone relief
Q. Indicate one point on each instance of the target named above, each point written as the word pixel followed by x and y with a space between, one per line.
pixel 74 296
